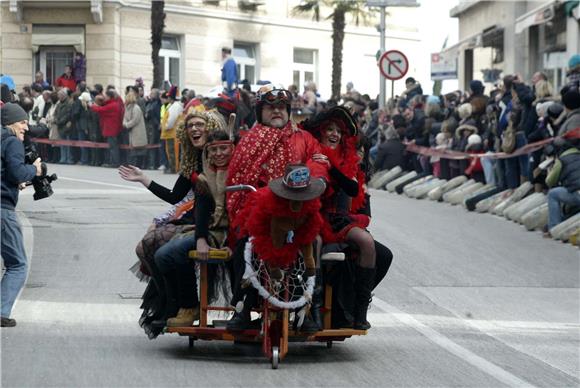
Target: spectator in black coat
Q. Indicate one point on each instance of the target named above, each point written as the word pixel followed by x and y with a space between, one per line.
pixel 391 152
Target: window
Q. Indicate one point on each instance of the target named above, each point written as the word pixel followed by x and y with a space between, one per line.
pixel 51 60
pixel 304 67
pixel 170 59
pixel 245 57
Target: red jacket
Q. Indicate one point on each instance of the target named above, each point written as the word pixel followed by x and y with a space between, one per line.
pixel 65 82
pixel 110 117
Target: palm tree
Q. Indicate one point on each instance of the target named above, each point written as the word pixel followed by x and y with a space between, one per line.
pixel 359 12
pixel 157 26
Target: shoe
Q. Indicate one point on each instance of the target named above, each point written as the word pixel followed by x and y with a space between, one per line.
pixel 161 168
pixel 364 283
pixel 7 322
pixel 185 317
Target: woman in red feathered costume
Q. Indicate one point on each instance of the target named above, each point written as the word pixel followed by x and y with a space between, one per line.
pixel 288 205
pixel 336 131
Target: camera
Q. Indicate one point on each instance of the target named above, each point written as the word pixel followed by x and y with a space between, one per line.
pixel 41 184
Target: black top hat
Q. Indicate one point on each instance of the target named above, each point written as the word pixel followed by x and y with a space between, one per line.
pixel 338 113
pixel 296 184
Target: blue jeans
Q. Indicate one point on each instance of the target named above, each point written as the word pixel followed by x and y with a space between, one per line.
pixel 174 254
pixel 556 197
pixel 66 152
pixel 84 151
pixel 174 263
pixel 114 151
pixel 518 166
pixel 15 261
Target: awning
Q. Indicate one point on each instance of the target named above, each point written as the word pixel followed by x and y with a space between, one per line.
pixel 58 36
pixel 470 42
pixel 540 15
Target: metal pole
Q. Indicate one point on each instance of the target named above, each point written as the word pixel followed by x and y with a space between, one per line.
pixel 382 85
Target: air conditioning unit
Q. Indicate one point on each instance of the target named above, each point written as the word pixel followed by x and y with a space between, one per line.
pixel 250 5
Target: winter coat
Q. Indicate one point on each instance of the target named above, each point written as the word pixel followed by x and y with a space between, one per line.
pixel 110 117
pixel 169 119
pixel 566 171
pixel 135 123
pixel 63 117
pixel 529 117
pixel 66 82
pixel 86 120
pixel 51 122
pixel 572 122
pixel 14 169
pixel 391 154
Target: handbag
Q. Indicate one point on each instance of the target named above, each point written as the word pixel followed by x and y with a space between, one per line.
pixel 508 143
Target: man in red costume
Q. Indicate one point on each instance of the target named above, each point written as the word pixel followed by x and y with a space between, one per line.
pixel 261 156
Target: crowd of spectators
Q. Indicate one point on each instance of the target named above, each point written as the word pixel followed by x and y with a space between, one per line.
pixel 140 129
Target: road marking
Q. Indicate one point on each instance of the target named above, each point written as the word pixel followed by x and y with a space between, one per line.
pixel 453 348
pixel 102 183
pixel 28 237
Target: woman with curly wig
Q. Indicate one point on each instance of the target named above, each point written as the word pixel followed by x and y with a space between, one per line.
pixel 159 299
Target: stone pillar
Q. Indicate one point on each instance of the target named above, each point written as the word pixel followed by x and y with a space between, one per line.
pixel 103 50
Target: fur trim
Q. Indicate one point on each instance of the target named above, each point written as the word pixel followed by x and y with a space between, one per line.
pixel 260 207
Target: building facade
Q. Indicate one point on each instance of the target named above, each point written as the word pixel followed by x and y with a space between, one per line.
pixel 497 38
pixel 269 41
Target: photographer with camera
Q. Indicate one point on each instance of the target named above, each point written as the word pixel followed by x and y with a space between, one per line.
pixel 14 174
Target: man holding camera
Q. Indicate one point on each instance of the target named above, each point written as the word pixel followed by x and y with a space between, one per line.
pixel 15 172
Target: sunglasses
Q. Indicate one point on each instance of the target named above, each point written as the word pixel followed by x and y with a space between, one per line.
pixel 198 125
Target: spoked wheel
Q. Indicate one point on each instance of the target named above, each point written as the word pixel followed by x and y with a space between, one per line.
pixel 275 357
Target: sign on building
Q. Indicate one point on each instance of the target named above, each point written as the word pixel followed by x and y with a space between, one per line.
pixel 444 65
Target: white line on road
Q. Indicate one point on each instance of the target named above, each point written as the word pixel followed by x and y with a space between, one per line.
pixel 102 183
pixel 28 237
pixel 453 348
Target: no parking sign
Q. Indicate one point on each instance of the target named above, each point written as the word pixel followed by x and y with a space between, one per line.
pixel 393 65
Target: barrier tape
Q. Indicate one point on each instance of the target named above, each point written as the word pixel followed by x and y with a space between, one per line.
pixel 90 144
pixel 458 155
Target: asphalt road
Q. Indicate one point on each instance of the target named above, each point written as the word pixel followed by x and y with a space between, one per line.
pixel 471 301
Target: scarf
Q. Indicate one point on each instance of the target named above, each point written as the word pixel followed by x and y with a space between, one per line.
pixel 261 155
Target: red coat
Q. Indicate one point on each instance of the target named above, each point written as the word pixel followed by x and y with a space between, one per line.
pixel 110 117
pixel 65 82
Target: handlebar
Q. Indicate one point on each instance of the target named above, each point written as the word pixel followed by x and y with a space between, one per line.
pixel 240 188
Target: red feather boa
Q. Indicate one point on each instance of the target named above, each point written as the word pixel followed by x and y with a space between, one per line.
pixel 260 207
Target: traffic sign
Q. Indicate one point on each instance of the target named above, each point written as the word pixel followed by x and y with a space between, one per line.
pixel 393 65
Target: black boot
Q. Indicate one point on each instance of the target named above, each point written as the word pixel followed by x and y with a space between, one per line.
pixel 241 321
pixel 364 282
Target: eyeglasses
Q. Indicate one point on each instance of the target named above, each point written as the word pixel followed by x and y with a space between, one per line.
pixel 198 125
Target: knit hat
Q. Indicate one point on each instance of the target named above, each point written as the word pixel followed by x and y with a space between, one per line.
pixel 473 139
pixel 434 100
pixel 571 99
pixel 476 87
pixel 574 61
pixel 465 110
pixel 11 113
pixel 554 111
pixel 85 96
